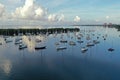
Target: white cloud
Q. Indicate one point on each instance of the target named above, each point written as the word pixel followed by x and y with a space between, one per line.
pixel 2 10
pixel 77 19
pixel 62 17
pixel 107 17
pixel 53 17
pixel 30 11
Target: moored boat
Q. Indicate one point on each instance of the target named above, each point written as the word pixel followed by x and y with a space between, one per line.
pixel 22 46
pixel 61 48
pixel 83 49
pixel 72 43
pixel 90 44
pixel 40 47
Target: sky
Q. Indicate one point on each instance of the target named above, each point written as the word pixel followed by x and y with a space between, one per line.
pixel 61 11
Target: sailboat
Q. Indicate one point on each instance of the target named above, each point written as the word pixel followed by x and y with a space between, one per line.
pixel 40 47
pixel 61 48
pixel 72 43
pixel 90 44
pixel 8 40
pixel 22 46
pixel 63 41
pixel 84 49
pixel 96 41
pixel 18 40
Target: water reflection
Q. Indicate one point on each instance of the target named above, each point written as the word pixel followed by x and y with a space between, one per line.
pixel 6 66
pixel 31 41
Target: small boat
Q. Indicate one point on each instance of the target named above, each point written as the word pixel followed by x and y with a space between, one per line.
pixel 61 48
pixel 97 37
pixel 111 49
pixel 83 49
pixel 22 46
pixel 90 44
pixel 88 38
pixel 96 41
pixel 104 38
pixel 8 40
pixel 63 41
pixel 18 39
pixel 40 47
pixel 18 42
pixel 78 37
pixel 80 41
pixel 72 43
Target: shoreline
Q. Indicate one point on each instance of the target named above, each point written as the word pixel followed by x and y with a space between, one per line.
pixel 36 31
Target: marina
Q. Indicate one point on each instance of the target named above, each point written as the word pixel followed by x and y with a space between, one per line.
pixel 51 54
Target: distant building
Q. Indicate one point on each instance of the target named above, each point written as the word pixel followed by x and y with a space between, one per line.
pixel 105 24
pixel 109 24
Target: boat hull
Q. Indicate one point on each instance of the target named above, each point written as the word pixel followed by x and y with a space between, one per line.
pixel 38 48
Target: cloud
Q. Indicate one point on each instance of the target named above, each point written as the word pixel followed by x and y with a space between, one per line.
pixel 2 10
pixel 107 17
pixel 62 17
pixel 53 17
pixel 77 19
pixel 30 11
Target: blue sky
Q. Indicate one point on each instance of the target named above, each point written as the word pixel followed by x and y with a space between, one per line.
pixel 86 10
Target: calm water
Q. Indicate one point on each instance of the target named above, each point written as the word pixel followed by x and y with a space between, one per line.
pixel 70 64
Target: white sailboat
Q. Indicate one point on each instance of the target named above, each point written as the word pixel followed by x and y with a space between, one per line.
pixel 72 43
pixel 8 40
pixel 90 44
pixel 39 46
pixel 61 48
pixel 84 49
pixel 22 46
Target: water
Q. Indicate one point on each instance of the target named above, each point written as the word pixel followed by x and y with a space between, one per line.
pixel 70 64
